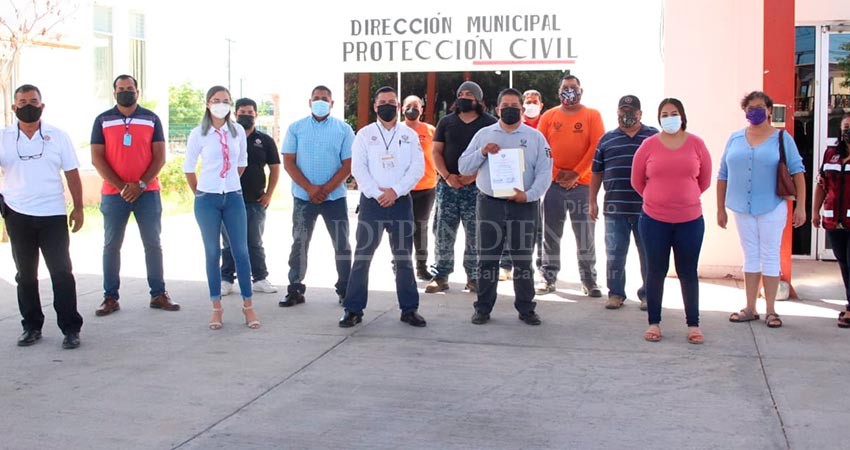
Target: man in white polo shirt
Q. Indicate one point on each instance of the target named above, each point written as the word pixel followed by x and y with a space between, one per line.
pixel 387 162
pixel 32 203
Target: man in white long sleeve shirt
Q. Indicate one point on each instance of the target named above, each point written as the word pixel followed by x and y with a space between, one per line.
pixel 387 162
pixel 507 221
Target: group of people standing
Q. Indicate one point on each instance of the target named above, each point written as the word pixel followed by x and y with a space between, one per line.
pixel 653 182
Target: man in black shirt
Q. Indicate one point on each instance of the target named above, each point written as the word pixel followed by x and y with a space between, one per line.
pixel 262 152
pixel 456 194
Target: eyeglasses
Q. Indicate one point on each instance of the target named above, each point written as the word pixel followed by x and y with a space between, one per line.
pixel 29 157
pixel 225 153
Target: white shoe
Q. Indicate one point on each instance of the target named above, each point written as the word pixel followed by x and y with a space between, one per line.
pixel 226 288
pixel 264 286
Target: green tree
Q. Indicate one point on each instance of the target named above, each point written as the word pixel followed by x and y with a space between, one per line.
pixel 185 109
pixel 844 65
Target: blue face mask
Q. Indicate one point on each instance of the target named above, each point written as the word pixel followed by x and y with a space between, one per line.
pixel 320 108
pixel 671 124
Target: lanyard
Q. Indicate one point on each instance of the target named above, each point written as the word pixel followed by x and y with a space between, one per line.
pixel 387 145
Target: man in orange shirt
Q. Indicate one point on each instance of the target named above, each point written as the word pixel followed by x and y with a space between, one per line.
pixel 573 131
pixel 424 193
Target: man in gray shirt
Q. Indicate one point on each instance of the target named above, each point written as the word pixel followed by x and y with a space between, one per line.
pixel 510 221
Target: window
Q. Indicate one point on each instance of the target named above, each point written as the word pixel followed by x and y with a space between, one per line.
pixel 137 48
pixel 103 54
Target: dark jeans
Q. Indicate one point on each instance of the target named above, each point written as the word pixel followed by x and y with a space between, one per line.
pixel 423 202
pixel 557 203
pixel 685 239
pixel 372 221
pixel 506 262
pixel 304 215
pixel 840 240
pixel 618 231
pixel 257 254
pixel 503 225
pixel 28 235
pixel 116 212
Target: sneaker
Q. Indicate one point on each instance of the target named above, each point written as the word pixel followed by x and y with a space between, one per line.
pixel 505 274
pixel 614 302
pixel 591 290
pixel 264 286
pixel 226 288
pixel 544 287
pixel 437 285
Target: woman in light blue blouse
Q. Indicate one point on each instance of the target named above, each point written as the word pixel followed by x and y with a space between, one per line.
pixel 746 184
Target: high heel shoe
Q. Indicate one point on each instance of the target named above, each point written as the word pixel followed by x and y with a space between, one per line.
pixel 213 324
pixel 253 324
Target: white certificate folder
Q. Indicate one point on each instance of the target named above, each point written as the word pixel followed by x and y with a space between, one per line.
pixel 506 171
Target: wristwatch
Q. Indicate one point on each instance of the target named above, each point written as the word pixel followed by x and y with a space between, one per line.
pixel 142 185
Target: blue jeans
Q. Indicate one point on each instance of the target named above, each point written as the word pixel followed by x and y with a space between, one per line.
pixel 212 211
pixel 373 219
pixel 304 216
pixel 256 226
pixel 618 231
pixel 685 239
pixel 116 212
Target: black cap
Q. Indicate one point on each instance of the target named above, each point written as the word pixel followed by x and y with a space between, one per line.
pixel 629 100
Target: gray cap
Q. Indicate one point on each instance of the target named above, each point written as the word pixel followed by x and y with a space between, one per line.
pixel 472 87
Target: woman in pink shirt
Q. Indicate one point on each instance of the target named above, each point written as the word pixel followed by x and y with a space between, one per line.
pixel 670 171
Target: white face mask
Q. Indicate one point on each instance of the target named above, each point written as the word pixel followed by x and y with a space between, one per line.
pixel 219 110
pixel 671 124
pixel 532 110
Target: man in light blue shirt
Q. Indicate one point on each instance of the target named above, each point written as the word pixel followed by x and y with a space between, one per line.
pixel 508 221
pixel 317 156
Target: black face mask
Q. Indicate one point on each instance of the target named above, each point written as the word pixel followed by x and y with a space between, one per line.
pixel 387 112
pixel 126 98
pixel 845 136
pixel 510 115
pixel 28 113
pixel 465 104
pixel 411 113
pixel 246 121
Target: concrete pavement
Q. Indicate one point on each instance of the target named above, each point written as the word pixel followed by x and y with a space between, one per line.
pixel 584 379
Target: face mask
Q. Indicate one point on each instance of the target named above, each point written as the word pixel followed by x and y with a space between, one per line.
pixel 387 112
pixel 756 115
pixel 532 110
pixel 411 113
pixel 320 108
pixel 570 96
pixel 28 113
pixel 845 135
pixel 627 119
pixel 510 115
pixel 671 124
pixel 220 110
pixel 126 98
pixel 465 104
pixel 246 121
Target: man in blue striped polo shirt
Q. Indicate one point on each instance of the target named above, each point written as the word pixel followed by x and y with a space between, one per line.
pixel 317 156
pixel 612 167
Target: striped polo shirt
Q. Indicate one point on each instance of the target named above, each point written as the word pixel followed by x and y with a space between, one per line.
pixel 613 159
pixel 131 161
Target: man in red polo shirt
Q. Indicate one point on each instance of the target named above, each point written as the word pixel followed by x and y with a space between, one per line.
pixel 128 150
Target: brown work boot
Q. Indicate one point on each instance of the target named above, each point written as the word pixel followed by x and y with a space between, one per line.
pixel 109 306
pixel 437 285
pixel 163 301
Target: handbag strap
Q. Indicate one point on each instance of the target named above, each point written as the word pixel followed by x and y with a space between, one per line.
pixel 782 147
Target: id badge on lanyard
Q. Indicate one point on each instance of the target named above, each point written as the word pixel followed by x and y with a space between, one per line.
pixel 128 138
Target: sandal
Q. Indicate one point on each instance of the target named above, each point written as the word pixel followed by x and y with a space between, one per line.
pixel 743 316
pixel 216 325
pixel 773 321
pixel 252 324
pixel 843 320
pixel 651 335
pixel 695 336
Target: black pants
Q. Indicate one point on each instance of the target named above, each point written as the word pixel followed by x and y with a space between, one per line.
pixel 840 240
pixel 505 224
pixel 28 234
pixel 423 202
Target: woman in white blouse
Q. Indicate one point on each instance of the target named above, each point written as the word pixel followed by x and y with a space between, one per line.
pixel 221 146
